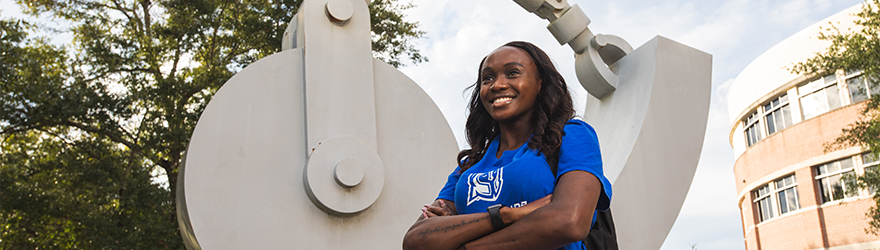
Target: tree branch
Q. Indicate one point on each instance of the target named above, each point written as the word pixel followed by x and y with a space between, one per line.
pixel 143 70
pixel 111 136
pixel 16 129
pixel 121 9
pixel 65 141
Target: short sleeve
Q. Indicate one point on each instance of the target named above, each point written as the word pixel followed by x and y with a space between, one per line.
pixel 448 191
pixel 580 151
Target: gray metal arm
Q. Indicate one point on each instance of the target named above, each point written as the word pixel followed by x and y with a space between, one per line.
pixel 594 53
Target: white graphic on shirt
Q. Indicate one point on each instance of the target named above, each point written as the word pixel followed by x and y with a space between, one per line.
pixel 484 186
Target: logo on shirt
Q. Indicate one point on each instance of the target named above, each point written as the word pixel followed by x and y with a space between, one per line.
pixel 485 186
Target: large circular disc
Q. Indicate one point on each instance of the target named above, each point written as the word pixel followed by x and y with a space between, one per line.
pixel 242 185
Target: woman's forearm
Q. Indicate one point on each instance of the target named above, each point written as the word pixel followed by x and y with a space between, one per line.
pixel 450 232
pixel 446 232
pixel 565 220
pixel 545 228
pixel 547 223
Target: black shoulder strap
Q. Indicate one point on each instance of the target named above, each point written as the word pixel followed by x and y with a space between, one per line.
pixel 603 235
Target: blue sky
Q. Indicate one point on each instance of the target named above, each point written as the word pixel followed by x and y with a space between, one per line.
pixel 735 32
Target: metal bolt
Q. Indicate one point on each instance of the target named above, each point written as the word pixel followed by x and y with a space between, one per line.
pixel 339 10
pixel 348 172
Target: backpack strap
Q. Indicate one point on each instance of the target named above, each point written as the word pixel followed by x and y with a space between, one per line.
pixel 603 235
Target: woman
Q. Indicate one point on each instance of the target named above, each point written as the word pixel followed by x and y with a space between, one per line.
pixel 520 113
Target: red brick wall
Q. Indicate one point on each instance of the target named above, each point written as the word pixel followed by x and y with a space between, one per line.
pixel 786 232
pixel 845 223
pixel 795 144
pixel 813 226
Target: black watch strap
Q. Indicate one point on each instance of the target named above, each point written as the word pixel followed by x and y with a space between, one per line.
pixel 495 216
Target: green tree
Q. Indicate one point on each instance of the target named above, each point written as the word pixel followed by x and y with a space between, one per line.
pixel 854 50
pixel 85 126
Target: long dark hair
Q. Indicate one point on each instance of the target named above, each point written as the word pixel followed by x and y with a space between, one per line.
pixel 553 108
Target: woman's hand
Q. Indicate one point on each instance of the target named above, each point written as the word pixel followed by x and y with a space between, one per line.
pixel 438 208
pixel 440 227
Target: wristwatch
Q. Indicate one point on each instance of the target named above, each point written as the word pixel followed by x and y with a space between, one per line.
pixel 495 216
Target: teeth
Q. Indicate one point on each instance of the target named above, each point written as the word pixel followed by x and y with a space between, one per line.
pixel 502 99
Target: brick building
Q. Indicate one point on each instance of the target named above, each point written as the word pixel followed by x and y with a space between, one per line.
pixel 790 190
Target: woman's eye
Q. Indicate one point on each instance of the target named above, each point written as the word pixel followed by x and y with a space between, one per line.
pixel 513 73
pixel 487 79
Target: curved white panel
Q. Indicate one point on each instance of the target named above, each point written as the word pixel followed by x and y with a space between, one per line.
pixel 651 133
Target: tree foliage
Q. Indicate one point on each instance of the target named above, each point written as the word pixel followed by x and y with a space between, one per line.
pixel 86 126
pixel 854 50
pixel 391 34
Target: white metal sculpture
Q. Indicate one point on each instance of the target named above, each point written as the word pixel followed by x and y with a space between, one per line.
pixel 321 146
pixel 650 107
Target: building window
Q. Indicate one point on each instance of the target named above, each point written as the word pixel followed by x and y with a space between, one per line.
pixel 778 114
pixel 763 203
pixel 870 162
pixel 786 193
pixel 776 198
pixel 819 96
pixel 859 88
pixel 829 175
pixel 752 132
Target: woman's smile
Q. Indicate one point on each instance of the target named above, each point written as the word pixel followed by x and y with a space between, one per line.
pixel 501 101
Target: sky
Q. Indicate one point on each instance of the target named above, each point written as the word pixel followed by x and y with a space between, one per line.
pixel 735 32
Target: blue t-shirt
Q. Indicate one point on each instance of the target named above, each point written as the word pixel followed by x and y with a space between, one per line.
pixel 523 175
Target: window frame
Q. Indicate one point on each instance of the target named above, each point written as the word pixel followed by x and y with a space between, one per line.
pixel 865 84
pixel 780 106
pixel 769 195
pixel 867 155
pixel 753 122
pixel 852 76
pixel 763 197
pixel 758 122
pixel 804 92
pixel 875 164
pixel 784 188
pixel 827 175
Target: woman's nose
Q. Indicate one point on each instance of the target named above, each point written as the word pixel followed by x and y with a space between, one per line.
pixel 500 84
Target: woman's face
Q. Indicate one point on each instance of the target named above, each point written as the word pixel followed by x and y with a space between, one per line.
pixel 509 84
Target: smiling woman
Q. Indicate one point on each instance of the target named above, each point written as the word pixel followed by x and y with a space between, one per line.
pixel 504 193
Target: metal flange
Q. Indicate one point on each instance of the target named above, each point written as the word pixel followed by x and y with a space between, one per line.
pixel 343 175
